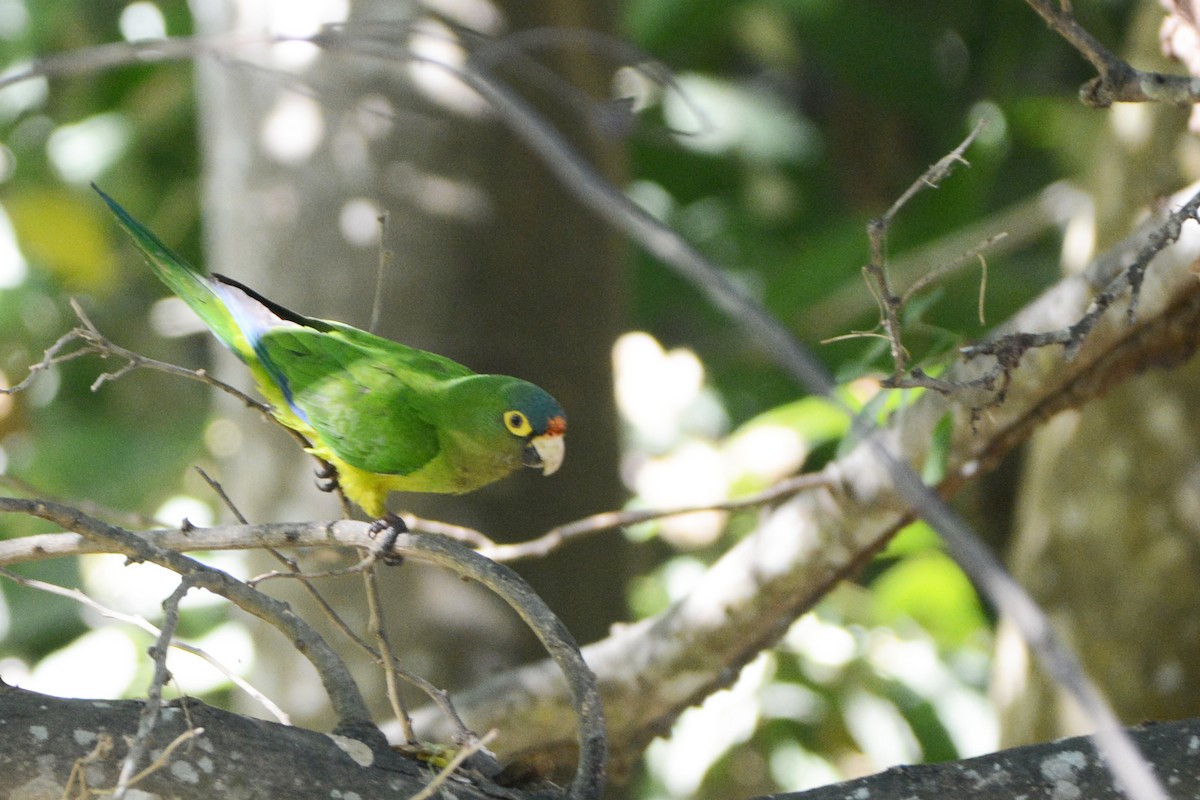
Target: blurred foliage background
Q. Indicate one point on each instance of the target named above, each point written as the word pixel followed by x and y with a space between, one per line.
pixel 803 119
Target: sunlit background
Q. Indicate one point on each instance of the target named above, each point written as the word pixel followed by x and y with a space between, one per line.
pixel 759 151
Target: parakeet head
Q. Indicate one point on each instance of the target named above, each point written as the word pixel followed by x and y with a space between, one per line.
pixel 517 422
pixel 539 422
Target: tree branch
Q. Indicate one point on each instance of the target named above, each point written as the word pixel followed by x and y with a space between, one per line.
pixel 343 693
pixel 1064 768
pixel 576 680
pixel 1118 82
pixel 60 748
pixel 652 670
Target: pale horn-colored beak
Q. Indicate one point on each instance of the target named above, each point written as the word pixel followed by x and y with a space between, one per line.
pixel 546 451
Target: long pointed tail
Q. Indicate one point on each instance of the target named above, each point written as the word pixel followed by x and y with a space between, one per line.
pixel 193 286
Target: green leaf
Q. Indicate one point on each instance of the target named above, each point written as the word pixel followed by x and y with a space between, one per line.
pixel 65 236
pixel 916 537
pixel 932 591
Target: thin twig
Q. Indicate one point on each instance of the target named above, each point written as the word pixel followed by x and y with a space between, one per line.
pixel 930 179
pixel 375 624
pixel 294 572
pixel 152 707
pixel 385 260
pixel 343 693
pixel 50 357
pixel 875 272
pixel 216 486
pixel 91 60
pixel 103 749
pixel 96 343
pixel 555 537
pixel 975 253
pixel 145 625
pixel 983 282
pixel 161 760
pixel 1025 222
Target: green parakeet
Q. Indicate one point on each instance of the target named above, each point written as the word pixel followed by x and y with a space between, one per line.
pixel 386 417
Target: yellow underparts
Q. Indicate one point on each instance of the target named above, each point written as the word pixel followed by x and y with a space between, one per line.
pixel 367 490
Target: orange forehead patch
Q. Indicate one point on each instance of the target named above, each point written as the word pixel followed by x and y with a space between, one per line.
pixel 556 426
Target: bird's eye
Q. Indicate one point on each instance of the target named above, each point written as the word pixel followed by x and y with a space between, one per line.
pixel 517 423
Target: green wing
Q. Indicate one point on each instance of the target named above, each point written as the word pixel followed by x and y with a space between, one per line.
pixel 372 400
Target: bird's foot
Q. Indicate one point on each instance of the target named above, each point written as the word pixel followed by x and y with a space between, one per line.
pixel 327 477
pixel 391 526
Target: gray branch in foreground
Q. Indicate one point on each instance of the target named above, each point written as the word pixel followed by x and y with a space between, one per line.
pixel 1060 769
pixel 569 671
pixel 232 756
pixel 47 736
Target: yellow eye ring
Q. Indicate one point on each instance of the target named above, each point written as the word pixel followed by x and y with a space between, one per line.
pixel 517 423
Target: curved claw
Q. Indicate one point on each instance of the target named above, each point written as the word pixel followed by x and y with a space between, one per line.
pixel 394 526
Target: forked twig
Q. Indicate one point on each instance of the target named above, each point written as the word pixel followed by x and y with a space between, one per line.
pixel 152 707
pixel 1117 81
pixel 162 758
pixel 875 271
